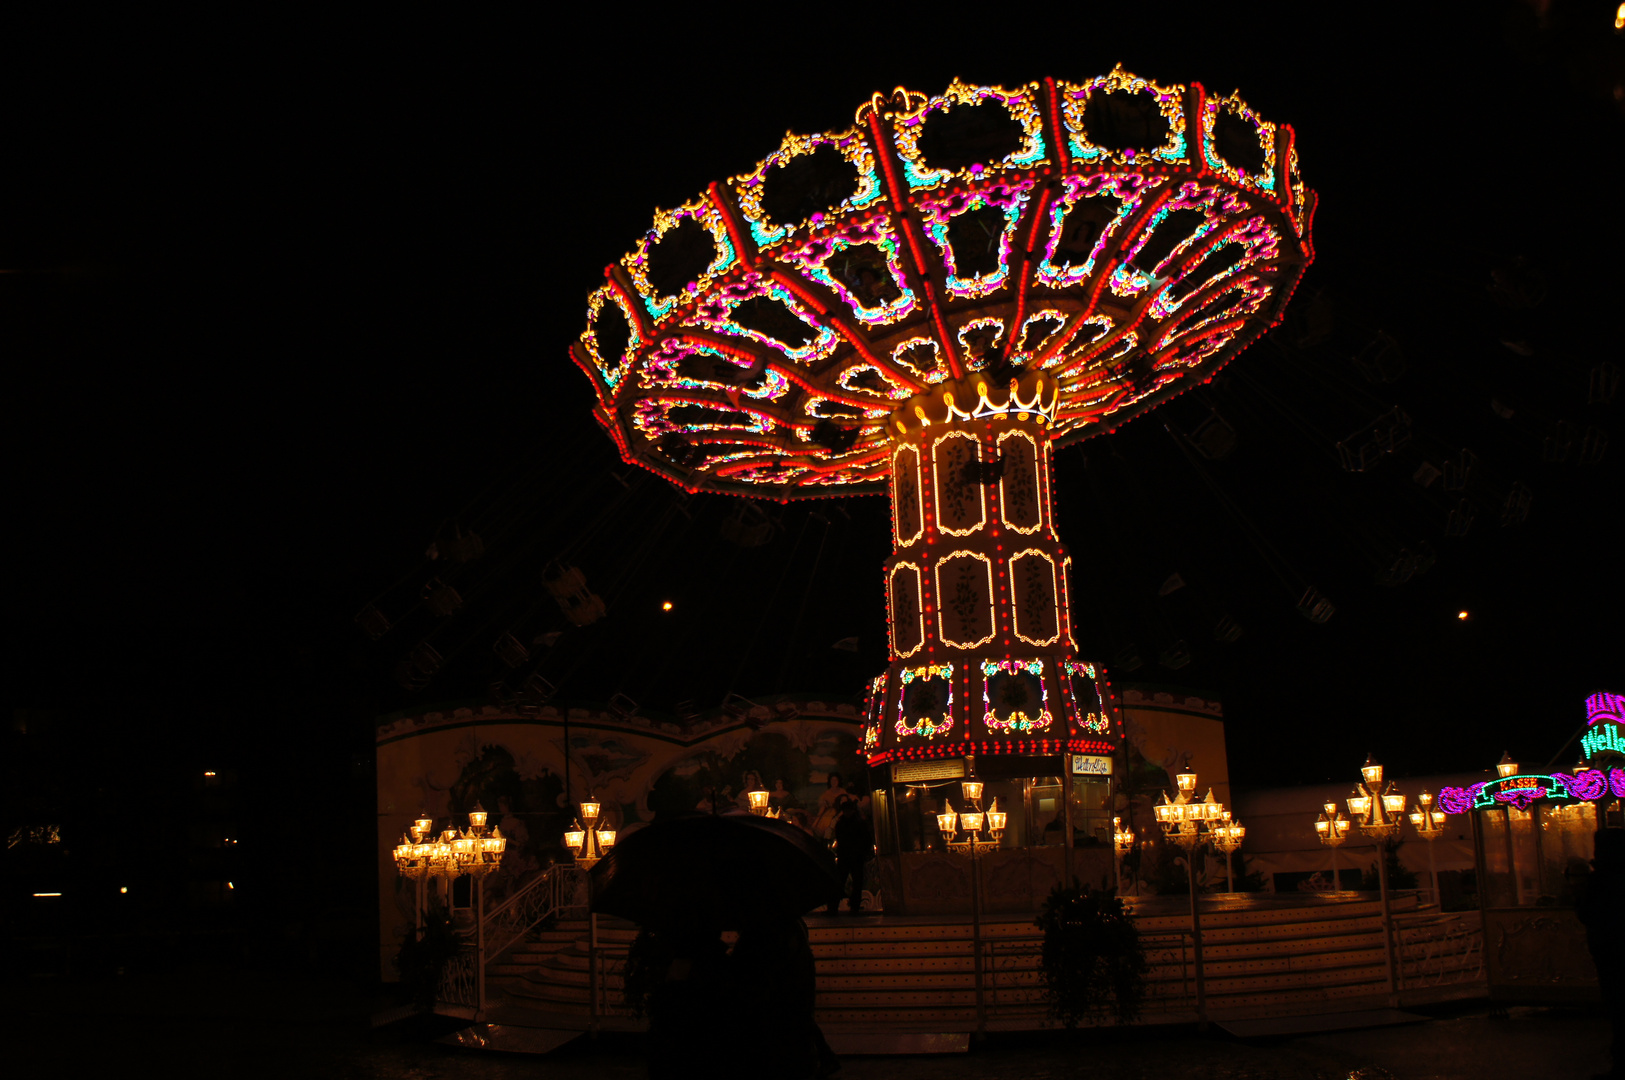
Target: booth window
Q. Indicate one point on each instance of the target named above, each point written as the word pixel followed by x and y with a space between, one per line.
pixel 1091 810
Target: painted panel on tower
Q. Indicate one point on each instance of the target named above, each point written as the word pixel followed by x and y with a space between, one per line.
pixel 907 613
pixel 965 599
pixel 1014 697
pixel 1093 717
pixel 925 706
pixel 1018 487
pixel 1032 577
pixel 956 465
pixel 907 512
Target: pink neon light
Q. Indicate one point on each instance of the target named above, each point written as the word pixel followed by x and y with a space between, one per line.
pixel 1605 706
pixel 1616 781
pixel 1455 800
pixel 1588 785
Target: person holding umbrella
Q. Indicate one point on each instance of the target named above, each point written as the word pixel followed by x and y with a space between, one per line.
pixel 722 966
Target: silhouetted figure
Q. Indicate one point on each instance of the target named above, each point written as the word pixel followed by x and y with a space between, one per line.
pixel 854 847
pixel 1601 901
pixel 772 1017
pixel 688 965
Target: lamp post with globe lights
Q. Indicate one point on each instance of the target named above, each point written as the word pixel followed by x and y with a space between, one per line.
pixel 588 842
pixel 1377 811
pixel 1123 843
pixel 1332 828
pixel 1429 824
pixel 475 851
pixel 1227 837
pixel 971 821
pixel 1189 822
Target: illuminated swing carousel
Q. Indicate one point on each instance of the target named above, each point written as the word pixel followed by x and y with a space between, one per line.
pixel 928 303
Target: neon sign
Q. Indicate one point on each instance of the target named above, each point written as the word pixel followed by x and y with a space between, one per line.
pixel 1605 706
pixel 1603 739
pixel 1520 791
pixel 1596 784
pixel 1455 800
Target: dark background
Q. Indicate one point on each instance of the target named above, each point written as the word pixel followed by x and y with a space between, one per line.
pixel 284 303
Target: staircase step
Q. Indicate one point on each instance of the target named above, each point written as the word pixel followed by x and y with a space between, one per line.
pixel 884 949
pixel 903 997
pixel 907 974
pixel 552 976
pixel 901 982
pixel 886 965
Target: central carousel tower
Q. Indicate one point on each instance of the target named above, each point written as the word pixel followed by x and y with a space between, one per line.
pixel 929 303
pixel 983 660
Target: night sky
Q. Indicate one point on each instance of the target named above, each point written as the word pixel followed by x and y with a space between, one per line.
pixel 285 309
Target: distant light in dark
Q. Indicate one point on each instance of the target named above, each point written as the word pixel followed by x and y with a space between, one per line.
pixel 123 889
pixel 47 894
pixel 210 772
pixel 1462 615
pixel 666 606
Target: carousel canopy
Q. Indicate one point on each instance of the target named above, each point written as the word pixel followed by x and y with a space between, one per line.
pixel 1124 237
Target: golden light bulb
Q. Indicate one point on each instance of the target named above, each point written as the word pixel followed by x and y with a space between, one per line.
pixel 666 606
pixel 1462 615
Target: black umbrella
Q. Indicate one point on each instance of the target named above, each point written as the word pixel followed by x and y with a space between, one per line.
pixel 730 867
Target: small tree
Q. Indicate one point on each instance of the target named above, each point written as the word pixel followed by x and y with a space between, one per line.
pixel 1398 876
pixel 1093 964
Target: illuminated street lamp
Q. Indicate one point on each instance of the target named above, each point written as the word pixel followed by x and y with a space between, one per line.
pixel 1429 823
pixel 758 801
pixel 1377 812
pixel 1332 828
pixel 1122 843
pixel 1227 837
pixel 1189 822
pixel 971 822
pixel 588 844
pixel 475 851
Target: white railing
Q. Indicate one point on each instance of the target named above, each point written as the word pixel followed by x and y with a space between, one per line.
pixel 1440 950
pixel 459 991
pixel 558 890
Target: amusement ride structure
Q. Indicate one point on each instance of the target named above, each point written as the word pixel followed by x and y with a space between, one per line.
pixel 930 302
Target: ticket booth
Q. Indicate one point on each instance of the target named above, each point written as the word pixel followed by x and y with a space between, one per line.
pixel 1534 834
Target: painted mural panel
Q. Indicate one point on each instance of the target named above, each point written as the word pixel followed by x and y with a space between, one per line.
pixel 907 610
pixel 965 597
pixel 1018 484
pixel 528 771
pixel 960 506
pixel 1032 574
